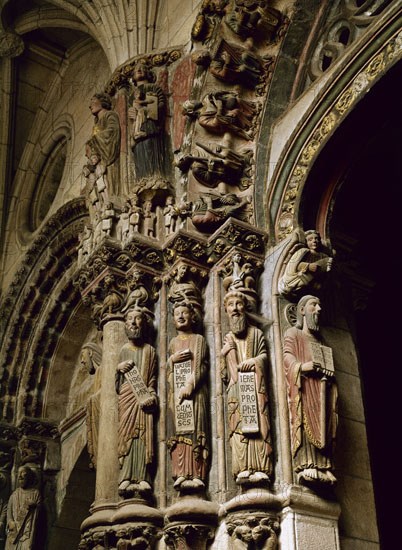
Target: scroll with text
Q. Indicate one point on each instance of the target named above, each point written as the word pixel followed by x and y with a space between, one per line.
pixel 248 402
pixel 184 411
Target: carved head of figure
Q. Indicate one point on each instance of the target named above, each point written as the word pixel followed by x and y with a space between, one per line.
pixel 308 313
pixel 169 200
pixel 184 316
pixel 26 477
pixel 235 307
pixel 100 102
pixel 182 271
pixel 135 324
pixel 142 73
pixel 313 240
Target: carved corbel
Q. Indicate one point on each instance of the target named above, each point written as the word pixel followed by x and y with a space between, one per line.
pixel 253 532
pixel 189 537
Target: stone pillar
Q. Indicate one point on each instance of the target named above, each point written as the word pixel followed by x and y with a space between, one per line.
pixel 191 524
pixel 107 463
pixel 308 521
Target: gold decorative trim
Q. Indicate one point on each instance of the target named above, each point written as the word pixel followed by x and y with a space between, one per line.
pixel 372 71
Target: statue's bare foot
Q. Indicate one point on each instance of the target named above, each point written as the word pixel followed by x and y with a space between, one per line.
pixel 123 487
pixel 243 477
pixel 259 476
pixel 308 474
pixel 195 483
pixel 330 477
pixel 144 487
pixel 178 482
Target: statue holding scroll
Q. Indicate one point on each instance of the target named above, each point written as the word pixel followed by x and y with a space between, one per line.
pixel 188 401
pixel 137 401
pixel 244 370
pixel 312 396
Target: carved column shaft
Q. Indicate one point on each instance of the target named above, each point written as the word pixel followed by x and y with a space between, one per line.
pixel 108 466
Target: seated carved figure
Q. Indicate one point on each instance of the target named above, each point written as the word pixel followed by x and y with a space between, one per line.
pixel 306 266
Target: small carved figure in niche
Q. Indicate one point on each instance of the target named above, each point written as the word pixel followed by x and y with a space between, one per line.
pixel 236 65
pixel 248 18
pixel 312 396
pixel 136 214
pixel 170 215
pixel 123 225
pixel 91 359
pixel 98 233
pixel 149 219
pixel 105 142
pixel 211 210
pixel 306 266
pixel 188 402
pixel 184 287
pixel 244 367
pixel 222 112
pixel 221 165
pixel 148 116
pixel 85 245
pixel 138 295
pixel 97 185
pixel 22 512
pixel 108 218
pixel 137 403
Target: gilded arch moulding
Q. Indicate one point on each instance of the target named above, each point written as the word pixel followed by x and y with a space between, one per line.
pixel 300 161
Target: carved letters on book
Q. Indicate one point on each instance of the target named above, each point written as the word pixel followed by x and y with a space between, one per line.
pixel 248 403
pixel 322 358
pixel 184 410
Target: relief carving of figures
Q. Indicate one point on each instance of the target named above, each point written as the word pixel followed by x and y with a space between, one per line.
pixel 253 532
pixel 136 215
pixel 149 219
pixel 214 164
pixel 170 215
pixel 23 511
pixel 211 210
pixel 244 371
pixel 188 402
pixel 236 65
pixel 222 112
pixel 97 184
pixel 147 113
pixel 105 144
pixel 85 245
pixel 253 18
pixel 138 295
pixel 185 287
pixel 306 267
pixel 312 396
pixel 136 384
pixel 240 276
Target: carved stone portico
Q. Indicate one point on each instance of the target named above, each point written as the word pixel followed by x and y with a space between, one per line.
pixel 195 341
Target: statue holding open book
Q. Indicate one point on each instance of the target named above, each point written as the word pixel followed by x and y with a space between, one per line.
pixel 137 403
pixel 312 396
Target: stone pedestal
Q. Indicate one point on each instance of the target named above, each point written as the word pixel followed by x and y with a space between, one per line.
pixel 190 524
pixel 308 521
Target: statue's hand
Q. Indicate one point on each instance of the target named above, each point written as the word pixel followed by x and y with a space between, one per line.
pixel 32 504
pixel 149 405
pixel 132 112
pixel 183 355
pixel 313 267
pixel 248 365
pixel 184 393
pixel 125 366
pixel 308 367
pixel 228 344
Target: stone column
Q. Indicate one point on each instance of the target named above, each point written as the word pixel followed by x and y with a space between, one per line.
pixel 107 463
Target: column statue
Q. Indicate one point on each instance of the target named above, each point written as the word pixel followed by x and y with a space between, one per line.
pixel 312 396
pixel 137 403
pixel 22 512
pixel 244 371
pixel 188 401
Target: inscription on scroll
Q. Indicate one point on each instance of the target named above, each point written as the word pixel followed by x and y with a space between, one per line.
pixel 137 384
pixel 184 410
pixel 248 402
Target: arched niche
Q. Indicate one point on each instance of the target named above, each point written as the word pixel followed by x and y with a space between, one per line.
pixel 353 196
